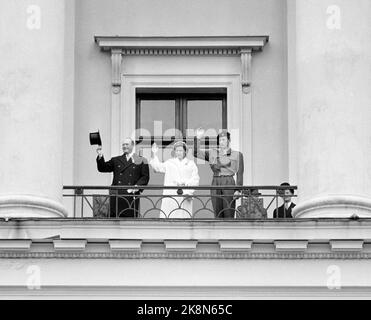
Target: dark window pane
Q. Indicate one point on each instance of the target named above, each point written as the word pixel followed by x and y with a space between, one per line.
pixel 157 110
pixel 207 114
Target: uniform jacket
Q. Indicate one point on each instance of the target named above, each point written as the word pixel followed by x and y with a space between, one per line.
pixel 132 172
pixel 229 164
pixel 281 211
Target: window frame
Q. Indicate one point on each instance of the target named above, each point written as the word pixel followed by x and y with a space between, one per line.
pixel 181 98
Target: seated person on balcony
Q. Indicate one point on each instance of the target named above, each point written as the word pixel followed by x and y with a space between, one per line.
pixel 179 171
pixel 252 206
pixel 225 163
pixel 128 169
pixel 285 210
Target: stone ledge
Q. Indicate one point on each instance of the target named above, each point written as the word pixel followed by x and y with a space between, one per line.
pixel 69 245
pixel 235 245
pixel 180 45
pixel 346 245
pixel 125 245
pixel 180 245
pixel 205 230
pixel 15 245
pixel 187 249
pixel 290 245
pixel 75 254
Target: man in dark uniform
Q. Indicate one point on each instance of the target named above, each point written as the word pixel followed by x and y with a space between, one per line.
pixel 128 169
pixel 285 210
pixel 225 163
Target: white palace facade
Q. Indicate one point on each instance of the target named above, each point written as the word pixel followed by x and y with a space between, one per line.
pixel 289 79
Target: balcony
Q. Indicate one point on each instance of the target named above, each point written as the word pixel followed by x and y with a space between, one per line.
pixel 171 202
pixel 182 258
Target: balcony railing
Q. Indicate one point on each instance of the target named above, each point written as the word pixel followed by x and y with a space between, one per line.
pixel 172 202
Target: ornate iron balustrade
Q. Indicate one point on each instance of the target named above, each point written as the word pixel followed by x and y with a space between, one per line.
pixel 171 202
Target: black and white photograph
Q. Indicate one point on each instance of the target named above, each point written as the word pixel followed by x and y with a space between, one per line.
pixel 197 151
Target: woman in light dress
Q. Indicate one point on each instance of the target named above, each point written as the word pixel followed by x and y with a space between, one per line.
pixel 179 171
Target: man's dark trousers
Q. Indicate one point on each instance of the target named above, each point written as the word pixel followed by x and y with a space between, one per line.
pixel 223 200
pixel 123 204
pixel 130 172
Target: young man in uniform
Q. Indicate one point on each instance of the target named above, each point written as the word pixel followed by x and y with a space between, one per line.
pixel 225 164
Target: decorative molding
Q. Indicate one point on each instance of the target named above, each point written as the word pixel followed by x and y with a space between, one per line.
pixel 182 46
pixel 290 245
pixel 125 245
pixel 116 59
pixel 69 245
pixel 346 245
pixel 235 245
pixel 201 230
pixel 180 245
pixel 187 255
pixel 203 45
pixel 180 52
pixel 14 245
pixel 246 70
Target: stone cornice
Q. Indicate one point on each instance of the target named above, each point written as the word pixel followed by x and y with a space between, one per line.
pixel 187 255
pixel 346 245
pixel 125 245
pixel 121 46
pixel 15 245
pixel 69 245
pixel 174 239
pixel 319 230
pixel 291 245
pixel 235 245
pixel 203 45
pixel 180 245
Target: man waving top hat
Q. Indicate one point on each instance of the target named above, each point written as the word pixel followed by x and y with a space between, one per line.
pixel 129 169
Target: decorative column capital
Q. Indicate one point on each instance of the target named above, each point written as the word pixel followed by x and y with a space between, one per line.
pixel 116 58
pixel 246 69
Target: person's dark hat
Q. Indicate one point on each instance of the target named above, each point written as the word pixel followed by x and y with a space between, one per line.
pixel 95 138
pixel 286 184
pixel 223 133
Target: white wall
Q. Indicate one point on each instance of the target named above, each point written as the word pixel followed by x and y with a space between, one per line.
pixel 179 278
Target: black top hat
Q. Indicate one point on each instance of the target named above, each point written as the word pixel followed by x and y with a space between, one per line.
pixel 95 138
pixel 286 184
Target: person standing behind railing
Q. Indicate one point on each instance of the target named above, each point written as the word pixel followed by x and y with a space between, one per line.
pixel 128 169
pixel 225 164
pixel 179 171
pixel 252 206
pixel 285 210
